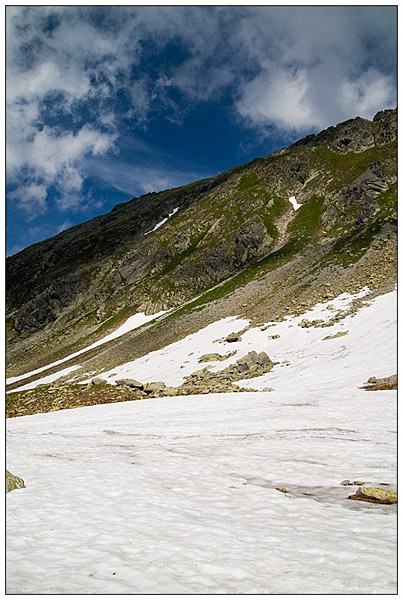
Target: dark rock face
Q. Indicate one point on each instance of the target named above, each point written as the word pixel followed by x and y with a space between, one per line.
pixel 387 133
pixel 357 202
pixel 251 240
pixel 355 134
pixel 45 307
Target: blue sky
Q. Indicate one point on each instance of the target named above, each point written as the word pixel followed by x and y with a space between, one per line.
pixel 107 103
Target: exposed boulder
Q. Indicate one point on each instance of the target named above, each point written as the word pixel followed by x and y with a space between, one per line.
pixel 390 379
pixel 248 362
pixel 382 383
pixel 13 482
pixel 233 337
pixel 214 356
pixel 377 495
pixel 170 391
pixel 154 386
pixel 131 383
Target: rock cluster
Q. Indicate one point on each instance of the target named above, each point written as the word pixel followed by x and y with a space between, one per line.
pixel 348 482
pixel 204 381
pixel 214 356
pixel 307 323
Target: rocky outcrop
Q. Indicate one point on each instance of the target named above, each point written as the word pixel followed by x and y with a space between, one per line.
pixel 252 240
pixel 336 335
pixel 355 135
pixel 249 366
pixel 387 132
pixel 13 482
pixel 205 381
pixel 356 203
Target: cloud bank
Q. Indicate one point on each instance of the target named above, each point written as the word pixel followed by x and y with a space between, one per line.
pixel 79 77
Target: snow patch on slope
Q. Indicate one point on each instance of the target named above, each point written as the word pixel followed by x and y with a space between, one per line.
pixel 313 361
pixel 294 203
pixel 131 323
pixel 48 379
pixel 174 362
pixel 161 223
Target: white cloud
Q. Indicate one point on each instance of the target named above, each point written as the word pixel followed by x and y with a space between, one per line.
pixel 370 91
pixel 31 199
pixel 297 68
pixel 279 98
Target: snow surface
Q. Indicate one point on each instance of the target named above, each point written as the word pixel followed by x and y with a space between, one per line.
pixel 294 203
pixel 47 379
pixel 178 495
pixel 161 223
pixel 131 323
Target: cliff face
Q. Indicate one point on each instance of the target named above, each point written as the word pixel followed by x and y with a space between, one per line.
pixel 163 249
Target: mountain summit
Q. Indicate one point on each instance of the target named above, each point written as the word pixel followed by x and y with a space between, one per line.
pixel 275 235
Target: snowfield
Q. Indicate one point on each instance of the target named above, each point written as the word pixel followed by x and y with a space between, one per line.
pixel 178 495
pixel 131 323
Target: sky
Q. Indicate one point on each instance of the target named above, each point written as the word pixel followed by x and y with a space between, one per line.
pixel 107 103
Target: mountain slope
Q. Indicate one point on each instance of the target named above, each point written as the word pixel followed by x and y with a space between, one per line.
pixel 233 242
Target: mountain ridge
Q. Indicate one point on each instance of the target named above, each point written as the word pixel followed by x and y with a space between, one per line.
pixel 227 232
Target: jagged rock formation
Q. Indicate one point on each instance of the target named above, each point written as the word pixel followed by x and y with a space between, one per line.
pixel 234 238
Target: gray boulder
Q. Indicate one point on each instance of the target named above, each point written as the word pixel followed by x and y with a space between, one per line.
pixel 154 386
pixel 246 363
pixel 263 360
pixel 131 383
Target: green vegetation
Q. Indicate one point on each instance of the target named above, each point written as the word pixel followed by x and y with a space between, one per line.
pixel 269 215
pixel 247 181
pixel 303 230
pixel 305 226
pixel 345 168
pixel 387 202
